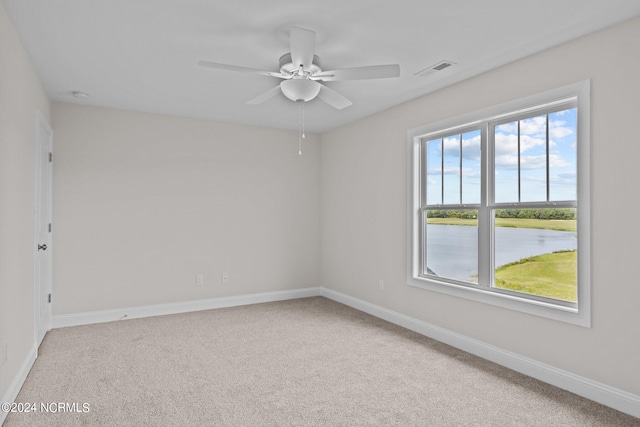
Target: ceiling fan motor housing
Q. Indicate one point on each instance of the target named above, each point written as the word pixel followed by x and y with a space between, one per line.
pixel 287 66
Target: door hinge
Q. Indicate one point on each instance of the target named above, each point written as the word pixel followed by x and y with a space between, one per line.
pixel 49 299
pixel 49 227
pixel 51 157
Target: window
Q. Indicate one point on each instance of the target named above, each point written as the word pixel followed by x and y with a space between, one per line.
pixel 499 205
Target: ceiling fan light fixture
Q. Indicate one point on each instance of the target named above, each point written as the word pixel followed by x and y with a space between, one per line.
pixel 300 89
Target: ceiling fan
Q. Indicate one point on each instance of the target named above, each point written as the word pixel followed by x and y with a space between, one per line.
pixel 301 73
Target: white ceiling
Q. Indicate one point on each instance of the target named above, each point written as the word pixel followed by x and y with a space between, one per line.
pixel 142 55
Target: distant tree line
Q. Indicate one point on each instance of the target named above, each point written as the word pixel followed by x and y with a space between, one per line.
pixel 467 214
pixel 553 213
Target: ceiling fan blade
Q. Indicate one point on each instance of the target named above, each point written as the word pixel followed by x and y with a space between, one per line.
pixel 333 98
pixel 241 69
pixel 303 46
pixel 360 73
pixel 265 96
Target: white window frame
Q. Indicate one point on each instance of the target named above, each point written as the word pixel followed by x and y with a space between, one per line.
pixel 578 313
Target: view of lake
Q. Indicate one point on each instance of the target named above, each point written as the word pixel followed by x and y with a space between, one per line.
pixel 453 249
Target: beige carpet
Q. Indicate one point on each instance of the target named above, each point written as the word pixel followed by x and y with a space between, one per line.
pixel 301 362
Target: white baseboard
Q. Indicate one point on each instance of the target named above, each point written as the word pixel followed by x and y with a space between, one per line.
pixel 15 386
pixel 87 318
pixel 615 398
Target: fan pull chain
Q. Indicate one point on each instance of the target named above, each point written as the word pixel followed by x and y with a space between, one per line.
pixel 301 134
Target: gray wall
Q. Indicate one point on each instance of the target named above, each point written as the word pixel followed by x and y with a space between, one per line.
pixel 145 202
pixel 364 209
pixel 21 95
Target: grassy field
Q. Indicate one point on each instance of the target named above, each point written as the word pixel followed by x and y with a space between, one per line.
pixel 549 275
pixel 559 225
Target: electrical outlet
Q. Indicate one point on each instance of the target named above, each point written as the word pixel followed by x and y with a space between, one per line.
pixel 381 285
pixel 225 277
pixel 199 279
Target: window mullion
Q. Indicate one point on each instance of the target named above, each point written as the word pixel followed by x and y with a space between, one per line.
pixel 442 170
pixel 460 165
pixel 519 177
pixel 423 172
pixel 547 153
pixel 485 229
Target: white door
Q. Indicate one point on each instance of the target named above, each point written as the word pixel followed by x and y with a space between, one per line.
pixel 43 217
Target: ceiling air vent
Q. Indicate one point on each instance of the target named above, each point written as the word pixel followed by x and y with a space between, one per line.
pixel 435 67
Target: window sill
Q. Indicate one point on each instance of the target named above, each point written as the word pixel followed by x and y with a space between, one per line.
pixel 510 302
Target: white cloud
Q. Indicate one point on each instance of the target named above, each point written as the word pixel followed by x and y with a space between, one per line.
pixel 557 129
pixel 473 142
pixel 557 161
pixel 527 142
pixel 532 134
pixel 533 162
pixel 508 143
pixel 565 178
pixel 448 170
pixel 510 161
pixel 535 126
pixel 470 147
pixel 451 170
pixel 452 146
pixel 507 128
pixel 507 161
pixel 470 173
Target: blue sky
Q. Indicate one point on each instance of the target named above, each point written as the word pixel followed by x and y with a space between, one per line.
pixel 533 159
